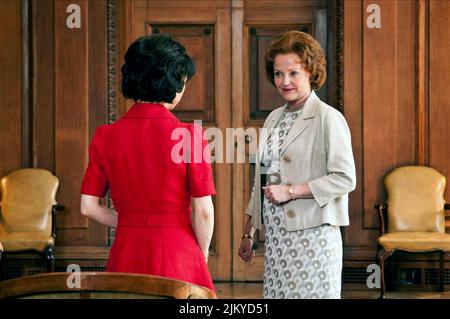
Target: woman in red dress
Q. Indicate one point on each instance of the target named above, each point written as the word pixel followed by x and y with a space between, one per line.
pixel 150 186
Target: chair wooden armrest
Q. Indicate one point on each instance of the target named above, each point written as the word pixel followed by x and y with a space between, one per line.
pixel 447 206
pixel 101 286
pixel 55 209
pixel 382 211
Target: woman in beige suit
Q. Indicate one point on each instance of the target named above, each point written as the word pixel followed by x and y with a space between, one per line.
pixel 305 151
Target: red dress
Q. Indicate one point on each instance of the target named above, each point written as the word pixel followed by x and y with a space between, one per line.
pixel 151 192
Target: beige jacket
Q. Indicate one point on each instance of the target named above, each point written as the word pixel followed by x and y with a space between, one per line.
pixel 317 151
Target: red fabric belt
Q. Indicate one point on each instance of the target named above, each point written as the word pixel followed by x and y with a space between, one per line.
pixel 154 220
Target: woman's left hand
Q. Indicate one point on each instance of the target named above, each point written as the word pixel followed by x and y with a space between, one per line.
pixel 277 194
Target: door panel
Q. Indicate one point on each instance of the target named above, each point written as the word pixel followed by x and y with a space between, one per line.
pixel 198 102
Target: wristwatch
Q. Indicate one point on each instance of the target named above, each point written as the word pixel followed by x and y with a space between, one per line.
pixel 291 192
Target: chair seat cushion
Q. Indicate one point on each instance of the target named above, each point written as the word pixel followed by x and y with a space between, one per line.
pixel 18 241
pixel 415 241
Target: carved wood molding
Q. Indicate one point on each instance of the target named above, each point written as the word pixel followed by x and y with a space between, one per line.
pixel 112 58
pixel 112 97
pixel 339 56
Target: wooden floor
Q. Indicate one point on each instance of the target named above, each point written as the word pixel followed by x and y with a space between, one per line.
pixel 238 290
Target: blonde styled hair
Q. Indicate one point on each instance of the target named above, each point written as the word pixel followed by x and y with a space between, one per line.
pixel 306 47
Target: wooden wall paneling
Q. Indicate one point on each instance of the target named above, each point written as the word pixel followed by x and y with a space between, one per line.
pixel 439 101
pixel 379 99
pixel 43 83
pixel 11 147
pixel 406 152
pixel 404 123
pixel 353 101
pixel 98 91
pixel 405 126
pixel 71 116
pixel 335 54
pixel 98 55
pixel 179 11
pixel 386 118
pixel 422 70
pixel 223 227
pixel 293 10
pixel 124 37
pixel 114 18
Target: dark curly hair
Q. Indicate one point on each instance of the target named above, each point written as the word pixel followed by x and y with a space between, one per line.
pixel 306 47
pixel 155 69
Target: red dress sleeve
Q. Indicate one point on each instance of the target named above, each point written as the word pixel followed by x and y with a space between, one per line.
pixel 200 177
pixel 95 181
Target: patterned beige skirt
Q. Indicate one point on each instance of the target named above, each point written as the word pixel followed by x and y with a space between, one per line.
pixel 304 264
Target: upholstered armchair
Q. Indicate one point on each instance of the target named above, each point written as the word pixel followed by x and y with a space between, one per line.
pixel 27 215
pixel 414 215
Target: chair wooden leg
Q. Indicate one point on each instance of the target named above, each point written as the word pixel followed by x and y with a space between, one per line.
pixel 3 266
pixel 50 258
pixel 441 270
pixel 382 256
pixel 390 283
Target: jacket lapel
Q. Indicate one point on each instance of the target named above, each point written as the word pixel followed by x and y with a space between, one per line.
pixel 267 130
pixel 302 121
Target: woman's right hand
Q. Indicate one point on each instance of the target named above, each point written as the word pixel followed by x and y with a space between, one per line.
pixel 245 251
